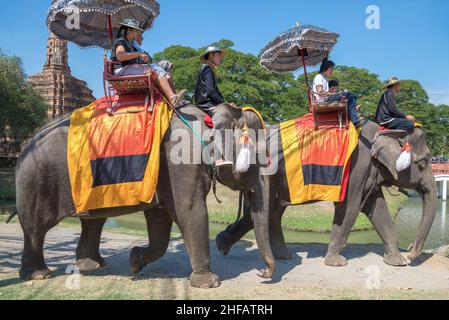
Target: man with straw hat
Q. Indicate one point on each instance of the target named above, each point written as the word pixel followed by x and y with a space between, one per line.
pixel 207 95
pixel 388 114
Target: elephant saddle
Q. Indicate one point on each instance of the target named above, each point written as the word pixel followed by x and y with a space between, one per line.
pixel 316 161
pixel 113 161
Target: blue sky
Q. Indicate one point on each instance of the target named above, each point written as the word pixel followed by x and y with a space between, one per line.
pixel 412 43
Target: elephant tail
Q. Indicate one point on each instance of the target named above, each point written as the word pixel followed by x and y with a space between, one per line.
pixel 11 216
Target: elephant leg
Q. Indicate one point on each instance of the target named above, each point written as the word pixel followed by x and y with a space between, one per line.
pixel 233 233
pixel 159 226
pixel 344 219
pixel 377 211
pixel 194 226
pixel 35 228
pixel 33 263
pixel 88 256
pixel 278 246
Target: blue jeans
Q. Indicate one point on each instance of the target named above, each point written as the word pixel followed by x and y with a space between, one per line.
pixel 352 104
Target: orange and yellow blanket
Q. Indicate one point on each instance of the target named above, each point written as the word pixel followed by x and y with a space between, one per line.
pixel 316 161
pixel 114 161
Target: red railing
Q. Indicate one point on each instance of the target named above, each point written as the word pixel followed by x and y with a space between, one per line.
pixel 440 168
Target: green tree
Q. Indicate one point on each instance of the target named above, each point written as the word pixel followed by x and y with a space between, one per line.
pixel 175 53
pixel 359 81
pixel 22 109
pixel 413 99
pixel 241 80
pixel 281 97
pixel 364 84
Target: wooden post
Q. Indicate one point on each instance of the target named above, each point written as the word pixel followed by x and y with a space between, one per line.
pixel 306 79
pixel 111 36
pixel 443 214
pixel 444 190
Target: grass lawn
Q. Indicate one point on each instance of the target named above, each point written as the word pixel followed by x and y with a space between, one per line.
pixel 317 217
pixel 128 288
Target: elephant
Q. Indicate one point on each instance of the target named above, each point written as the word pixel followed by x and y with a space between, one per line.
pixel 373 165
pixel 44 199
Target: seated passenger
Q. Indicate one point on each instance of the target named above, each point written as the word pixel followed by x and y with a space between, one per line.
pixel 134 61
pixel 334 86
pixel 388 114
pixel 322 93
pixel 207 95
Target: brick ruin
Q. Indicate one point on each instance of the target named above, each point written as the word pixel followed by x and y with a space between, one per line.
pixel 60 89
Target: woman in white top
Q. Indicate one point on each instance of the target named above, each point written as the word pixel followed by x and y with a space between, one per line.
pixel 321 82
pixel 322 94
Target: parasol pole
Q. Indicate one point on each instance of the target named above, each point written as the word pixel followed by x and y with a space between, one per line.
pixel 111 37
pixel 306 79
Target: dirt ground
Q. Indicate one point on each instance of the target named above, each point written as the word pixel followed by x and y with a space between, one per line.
pixel 304 277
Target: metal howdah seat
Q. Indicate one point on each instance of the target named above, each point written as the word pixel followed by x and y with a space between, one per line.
pixel 124 85
pixel 329 114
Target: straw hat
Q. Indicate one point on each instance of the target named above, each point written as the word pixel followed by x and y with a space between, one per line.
pixel 131 23
pixel 212 49
pixel 392 81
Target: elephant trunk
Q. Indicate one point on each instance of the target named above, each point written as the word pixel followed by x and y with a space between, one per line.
pixel 429 195
pixel 260 217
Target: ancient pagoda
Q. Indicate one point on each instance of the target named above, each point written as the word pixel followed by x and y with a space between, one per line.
pixel 62 91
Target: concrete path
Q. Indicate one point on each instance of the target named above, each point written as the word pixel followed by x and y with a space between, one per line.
pixel 305 276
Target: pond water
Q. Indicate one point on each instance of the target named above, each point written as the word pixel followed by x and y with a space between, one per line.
pixel 407 224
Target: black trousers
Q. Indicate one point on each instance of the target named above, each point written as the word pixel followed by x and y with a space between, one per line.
pixel 400 124
pixel 209 108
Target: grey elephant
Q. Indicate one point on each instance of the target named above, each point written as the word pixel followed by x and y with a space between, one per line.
pixel 44 199
pixel 373 165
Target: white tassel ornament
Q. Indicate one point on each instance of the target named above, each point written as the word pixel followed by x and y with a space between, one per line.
pixel 244 157
pixel 405 159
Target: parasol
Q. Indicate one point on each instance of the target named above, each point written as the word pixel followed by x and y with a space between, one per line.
pixel 283 54
pixel 298 47
pixel 92 23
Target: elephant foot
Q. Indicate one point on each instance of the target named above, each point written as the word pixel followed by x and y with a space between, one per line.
pixel 27 274
pixel 282 254
pixel 265 274
pixel 136 260
pixel 222 246
pixel 88 264
pixel 204 281
pixel 395 259
pixel 335 261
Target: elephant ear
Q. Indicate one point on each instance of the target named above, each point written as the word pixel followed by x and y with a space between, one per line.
pixel 387 147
